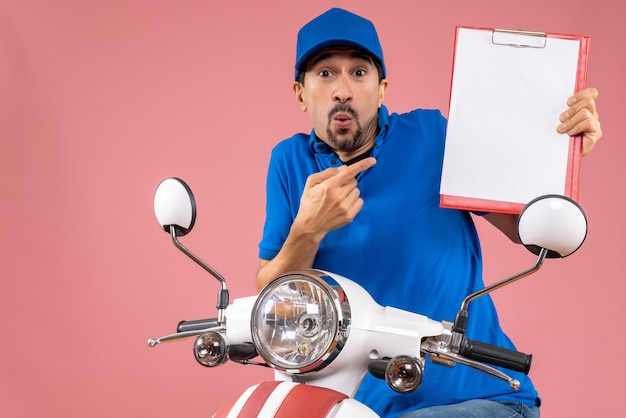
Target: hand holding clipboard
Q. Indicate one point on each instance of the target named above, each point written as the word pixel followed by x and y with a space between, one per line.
pixel 502 148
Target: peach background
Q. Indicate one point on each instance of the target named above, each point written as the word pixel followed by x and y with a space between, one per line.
pixel 100 100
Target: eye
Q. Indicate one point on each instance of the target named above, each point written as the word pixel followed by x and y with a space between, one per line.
pixel 360 72
pixel 325 73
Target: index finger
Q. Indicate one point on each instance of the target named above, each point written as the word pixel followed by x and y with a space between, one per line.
pixel 352 170
pixel 580 95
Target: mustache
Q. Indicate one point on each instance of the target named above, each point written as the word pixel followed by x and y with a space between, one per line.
pixel 343 108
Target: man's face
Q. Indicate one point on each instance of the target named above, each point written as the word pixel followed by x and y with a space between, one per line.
pixel 342 94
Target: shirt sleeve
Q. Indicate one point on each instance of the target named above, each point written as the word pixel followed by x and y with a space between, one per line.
pixel 278 213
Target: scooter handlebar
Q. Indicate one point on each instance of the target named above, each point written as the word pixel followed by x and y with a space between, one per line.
pixel 197 325
pixel 496 356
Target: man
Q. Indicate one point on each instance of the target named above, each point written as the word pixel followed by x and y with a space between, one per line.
pixel 359 196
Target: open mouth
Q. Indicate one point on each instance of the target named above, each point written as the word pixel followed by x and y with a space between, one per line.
pixel 342 116
pixel 342 120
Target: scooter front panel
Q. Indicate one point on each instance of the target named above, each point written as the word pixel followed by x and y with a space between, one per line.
pixel 281 400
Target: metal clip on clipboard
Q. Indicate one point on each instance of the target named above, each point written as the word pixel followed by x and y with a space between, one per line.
pixel 518 38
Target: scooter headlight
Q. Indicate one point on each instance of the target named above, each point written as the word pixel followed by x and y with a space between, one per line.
pixel 300 322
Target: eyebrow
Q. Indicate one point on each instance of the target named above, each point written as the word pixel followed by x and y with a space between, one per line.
pixel 353 53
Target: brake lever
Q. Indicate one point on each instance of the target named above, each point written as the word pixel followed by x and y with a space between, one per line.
pixel 179 336
pixel 443 354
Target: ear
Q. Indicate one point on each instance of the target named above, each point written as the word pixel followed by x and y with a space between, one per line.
pixel 298 89
pixel 382 89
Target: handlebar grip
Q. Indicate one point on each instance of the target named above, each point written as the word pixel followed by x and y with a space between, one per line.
pixel 496 356
pixel 196 325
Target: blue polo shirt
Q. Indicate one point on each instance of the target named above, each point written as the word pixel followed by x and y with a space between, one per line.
pixel 404 249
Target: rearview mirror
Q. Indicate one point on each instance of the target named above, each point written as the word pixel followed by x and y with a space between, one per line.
pixel 553 222
pixel 175 206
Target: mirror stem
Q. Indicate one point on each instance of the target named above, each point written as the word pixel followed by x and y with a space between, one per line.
pixel 460 322
pixel 542 256
pixel 222 298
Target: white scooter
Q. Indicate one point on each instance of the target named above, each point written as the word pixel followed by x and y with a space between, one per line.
pixel 321 333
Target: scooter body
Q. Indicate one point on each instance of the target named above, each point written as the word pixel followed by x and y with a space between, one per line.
pixel 321 332
pixel 375 333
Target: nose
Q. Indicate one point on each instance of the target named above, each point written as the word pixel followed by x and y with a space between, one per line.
pixel 343 90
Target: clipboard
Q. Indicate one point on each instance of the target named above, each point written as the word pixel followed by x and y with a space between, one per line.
pixel 508 89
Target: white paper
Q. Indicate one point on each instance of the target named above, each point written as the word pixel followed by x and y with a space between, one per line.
pixel 502 143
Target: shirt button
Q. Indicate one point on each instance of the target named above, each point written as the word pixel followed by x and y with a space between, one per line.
pixel 333 162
